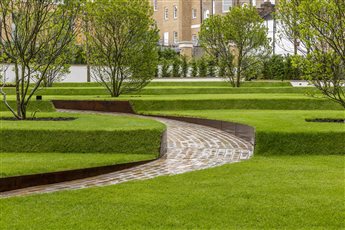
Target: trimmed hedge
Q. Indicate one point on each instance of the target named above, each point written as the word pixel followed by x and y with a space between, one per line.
pixel 178 90
pixel 67 141
pixel 42 106
pixel 267 104
pixel 280 143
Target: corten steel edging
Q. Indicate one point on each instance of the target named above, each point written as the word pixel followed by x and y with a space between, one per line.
pixel 103 106
pixel 18 182
pixel 245 132
pixel 24 181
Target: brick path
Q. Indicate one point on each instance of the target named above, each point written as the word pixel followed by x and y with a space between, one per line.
pixel 190 147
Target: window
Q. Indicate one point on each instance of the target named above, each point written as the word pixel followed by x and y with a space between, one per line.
pixel 195 39
pixel 175 12
pixel 206 14
pixel 166 13
pixel 194 12
pixel 227 4
pixel 175 37
pixel 166 38
pixel 155 5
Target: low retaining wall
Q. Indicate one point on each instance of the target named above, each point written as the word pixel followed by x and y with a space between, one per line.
pixel 104 106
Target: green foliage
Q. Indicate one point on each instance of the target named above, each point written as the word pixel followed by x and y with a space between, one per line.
pixel 123 48
pixel 234 40
pixel 165 69
pixel 211 67
pixel 184 67
pixel 202 64
pixel 167 54
pixel 319 25
pixel 195 68
pixel 176 68
pixel 38 46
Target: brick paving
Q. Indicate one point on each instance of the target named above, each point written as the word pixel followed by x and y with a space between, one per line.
pixel 190 147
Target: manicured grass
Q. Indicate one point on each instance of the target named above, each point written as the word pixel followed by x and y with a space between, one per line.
pixel 278 103
pixel 169 90
pixel 282 131
pixel 39 106
pixel 15 164
pixel 190 83
pixel 88 133
pixel 300 192
pixel 215 101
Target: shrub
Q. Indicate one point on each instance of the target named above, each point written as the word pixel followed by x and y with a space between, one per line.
pixel 202 68
pixel 195 69
pixel 176 68
pixel 166 69
pixel 211 68
pixel 184 66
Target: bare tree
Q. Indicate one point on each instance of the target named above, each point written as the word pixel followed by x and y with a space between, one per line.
pixel 35 34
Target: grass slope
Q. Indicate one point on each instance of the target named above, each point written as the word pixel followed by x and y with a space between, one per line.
pixel 15 164
pixel 283 131
pixel 89 133
pixel 39 106
pixel 300 192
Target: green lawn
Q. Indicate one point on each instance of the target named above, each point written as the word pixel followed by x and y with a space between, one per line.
pixel 283 131
pixel 300 192
pixel 89 133
pixel 15 164
pixel 295 180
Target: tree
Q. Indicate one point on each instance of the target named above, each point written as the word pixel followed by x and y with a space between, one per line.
pixel 195 68
pixel 234 39
pixel 184 67
pixel 176 68
pixel 202 67
pixel 35 34
pixel 289 24
pixel 321 29
pixel 122 44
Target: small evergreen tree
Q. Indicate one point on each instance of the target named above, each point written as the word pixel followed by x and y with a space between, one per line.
pixel 184 66
pixel 202 68
pixel 176 68
pixel 211 68
pixel 165 69
pixel 195 69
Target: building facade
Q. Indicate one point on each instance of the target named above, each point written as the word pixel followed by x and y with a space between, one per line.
pixel 179 21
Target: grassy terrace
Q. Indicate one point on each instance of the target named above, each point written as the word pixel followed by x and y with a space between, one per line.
pixel 295 180
pixel 28 147
pixel 300 192
pixel 281 132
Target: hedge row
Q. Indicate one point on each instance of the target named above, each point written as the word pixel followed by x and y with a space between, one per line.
pixel 280 143
pixel 67 141
pixel 172 90
pixel 264 104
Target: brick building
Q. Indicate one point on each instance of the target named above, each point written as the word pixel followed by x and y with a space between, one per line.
pixel 179 21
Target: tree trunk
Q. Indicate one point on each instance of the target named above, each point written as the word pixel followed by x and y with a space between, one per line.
pixel 19 111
